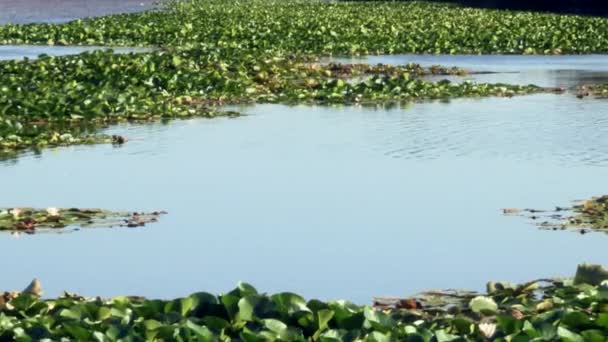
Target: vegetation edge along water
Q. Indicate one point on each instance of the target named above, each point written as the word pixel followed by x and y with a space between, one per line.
pixel 224 52
pixel 583 216
pixel 540 310
pixel 32 220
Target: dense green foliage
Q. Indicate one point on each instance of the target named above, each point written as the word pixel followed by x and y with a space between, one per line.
pixel 41 99
pixel 536 311
pixel 589 7
pixel 314 27
pixel 216 52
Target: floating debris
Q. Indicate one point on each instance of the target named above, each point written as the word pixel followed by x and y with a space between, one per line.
pixel 596 90
pixel 30 221
pixel 583 216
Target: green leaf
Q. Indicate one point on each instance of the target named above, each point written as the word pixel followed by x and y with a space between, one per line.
pixel 485 305
pixel 246 308
pixel 152 324
pixel 74 313
pixel 602 320
pixel 77 332
pixel 202 332
pixel 289 303
pixel 378 320
pixel 442 336
pixel 333 336
pixel 376 336
pixel 187 304
pixel 576 320
pixel 323 318
pixel 276 326
pixel 568 336
pixel 593 336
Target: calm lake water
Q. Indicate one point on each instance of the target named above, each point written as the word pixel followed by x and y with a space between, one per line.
pixel 329 202
pixel 546 71
pixel 55 11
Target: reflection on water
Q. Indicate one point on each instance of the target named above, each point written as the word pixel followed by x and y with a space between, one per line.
pixel 328 202
pixel 33 51
pixel 545 71
pixel 55 11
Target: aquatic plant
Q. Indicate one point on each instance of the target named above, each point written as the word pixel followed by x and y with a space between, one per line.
pixel 590 214
pixel 214 53
pixel 541 310
pixel 65 100
pixel 30 220
pixel 595 90
pixel 319 27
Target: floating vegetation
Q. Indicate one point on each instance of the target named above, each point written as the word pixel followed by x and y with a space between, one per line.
pixel 65 100
pixel 542 310
pixel 214 53
pixel 31 221
pixel 319 27
pixel 596 90
pixel 583 216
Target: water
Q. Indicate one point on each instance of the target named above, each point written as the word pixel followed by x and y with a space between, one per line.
pixel 546 71
pixel 8 52
pixel 56 11
pixel 329 202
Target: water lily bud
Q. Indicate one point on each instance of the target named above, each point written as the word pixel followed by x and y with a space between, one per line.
pixel 16 212
pixel 52 211
pixel 487 329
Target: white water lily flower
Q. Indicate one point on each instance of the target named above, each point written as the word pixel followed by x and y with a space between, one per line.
pixel 16 212
pixel 52 211
pixel 487 329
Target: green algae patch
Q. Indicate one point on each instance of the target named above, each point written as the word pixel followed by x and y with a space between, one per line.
pixel 582 216
pixel 30 220
pixel 542 310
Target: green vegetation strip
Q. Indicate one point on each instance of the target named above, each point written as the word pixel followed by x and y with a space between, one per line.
pixel 30 221
pixel 213 53
pixel 595 90
pixel 543 310
pixel 320 27
pixel 52 101
pixel 591 214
